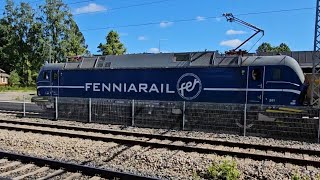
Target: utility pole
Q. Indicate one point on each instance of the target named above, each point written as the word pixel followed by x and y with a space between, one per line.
pixel 315 96
pixel 50 49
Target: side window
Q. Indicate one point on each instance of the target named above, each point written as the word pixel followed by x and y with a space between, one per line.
pixel 45 75
pixel 55 76
pixel 256 74
pixel 276 74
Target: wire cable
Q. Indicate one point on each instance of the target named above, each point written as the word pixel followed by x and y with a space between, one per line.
pixel 125 7
pixel 195 19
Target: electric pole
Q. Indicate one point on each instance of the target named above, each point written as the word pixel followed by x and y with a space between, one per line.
pixel 315 96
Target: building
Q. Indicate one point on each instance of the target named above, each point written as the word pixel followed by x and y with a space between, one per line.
pixel 3 78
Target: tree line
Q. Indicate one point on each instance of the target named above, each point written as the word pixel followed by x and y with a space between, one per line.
pixel 31 36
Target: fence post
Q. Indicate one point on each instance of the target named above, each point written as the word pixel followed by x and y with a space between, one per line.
pixel 245 120
pixel 90 109
pixel 183 115
pixel 56 107
pixel 318 126
pixel 24 107
pixel 132 113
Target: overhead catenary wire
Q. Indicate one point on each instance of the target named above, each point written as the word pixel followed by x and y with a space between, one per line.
pixel 195 19
pixel 125 7
pixel 109 9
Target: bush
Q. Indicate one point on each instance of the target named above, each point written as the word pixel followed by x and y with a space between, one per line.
pixel 14 79
pixel 195 176
pixel 297 176
pixel 226 170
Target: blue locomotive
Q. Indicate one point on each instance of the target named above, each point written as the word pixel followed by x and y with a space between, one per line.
pixel 195 76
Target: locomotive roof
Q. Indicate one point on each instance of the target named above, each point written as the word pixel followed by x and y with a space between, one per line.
pixel 171 60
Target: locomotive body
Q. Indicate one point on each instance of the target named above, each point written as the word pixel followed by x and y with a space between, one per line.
pixel 198 77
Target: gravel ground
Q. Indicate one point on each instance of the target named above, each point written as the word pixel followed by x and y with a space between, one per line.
pixel 194 134
pixel 17 96
pixel 162 163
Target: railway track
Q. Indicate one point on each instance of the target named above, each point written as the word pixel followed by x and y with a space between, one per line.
pixel 296 156
pixel 16 167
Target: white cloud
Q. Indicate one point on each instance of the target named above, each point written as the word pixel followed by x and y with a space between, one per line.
pixel 124 34
pixel 92 7
pixel 218 19
pixel 200 18
pixel 165 24
pixel 235 32
pixel 231 43
pixel 142 38
pixel 153 50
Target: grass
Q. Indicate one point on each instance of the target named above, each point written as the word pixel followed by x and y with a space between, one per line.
pixel 227 170
pixel 17 89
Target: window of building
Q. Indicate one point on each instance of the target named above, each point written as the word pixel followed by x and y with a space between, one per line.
pixel 276 74
pixel 256 74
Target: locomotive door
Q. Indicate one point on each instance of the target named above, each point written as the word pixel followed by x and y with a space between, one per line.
pixel 256 84
pixel 54 83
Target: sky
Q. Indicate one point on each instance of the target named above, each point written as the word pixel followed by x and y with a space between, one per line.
pixel 193 25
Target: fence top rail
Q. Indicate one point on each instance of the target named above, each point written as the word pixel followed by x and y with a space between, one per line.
pixel 17 102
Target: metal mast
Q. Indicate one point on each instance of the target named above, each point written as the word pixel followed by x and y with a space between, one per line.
pixel 315 96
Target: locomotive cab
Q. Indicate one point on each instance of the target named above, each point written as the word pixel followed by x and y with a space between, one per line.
pixel 47 84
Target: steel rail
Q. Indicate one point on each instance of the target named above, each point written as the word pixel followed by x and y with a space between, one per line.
pixel 71 167
pixel 259 157
pixel 172 138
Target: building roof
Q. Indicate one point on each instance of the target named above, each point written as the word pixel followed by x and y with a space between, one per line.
pixel 3 73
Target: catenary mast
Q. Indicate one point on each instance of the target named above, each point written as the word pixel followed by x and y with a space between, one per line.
pixel 315 95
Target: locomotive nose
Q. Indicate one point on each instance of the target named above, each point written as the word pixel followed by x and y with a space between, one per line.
pixel 303 97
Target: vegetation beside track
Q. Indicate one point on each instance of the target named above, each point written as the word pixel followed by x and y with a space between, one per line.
pixel 17 88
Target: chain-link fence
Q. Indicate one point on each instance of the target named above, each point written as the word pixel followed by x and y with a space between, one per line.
pixel 295 123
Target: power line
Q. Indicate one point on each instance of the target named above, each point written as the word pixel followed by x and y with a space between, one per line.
pixel 125 7
pixel 110 9
pixel 195 19
pixel 277 11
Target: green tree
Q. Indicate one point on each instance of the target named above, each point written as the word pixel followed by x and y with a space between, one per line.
pixel 266 47
pixel 25 19
pixel 282 48
pixel 28 39
pixel 113 45
pixel 8 38
pixel 64 36
pixel 14 79
pixel 74 42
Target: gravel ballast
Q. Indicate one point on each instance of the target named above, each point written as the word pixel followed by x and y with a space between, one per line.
pixel 162 163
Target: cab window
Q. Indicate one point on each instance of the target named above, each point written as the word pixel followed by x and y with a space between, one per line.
pixel 276 74
pixel 54 76
pixel 256 74
pixel 45 75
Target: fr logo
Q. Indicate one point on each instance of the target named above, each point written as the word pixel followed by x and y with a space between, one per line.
pixel 189 86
